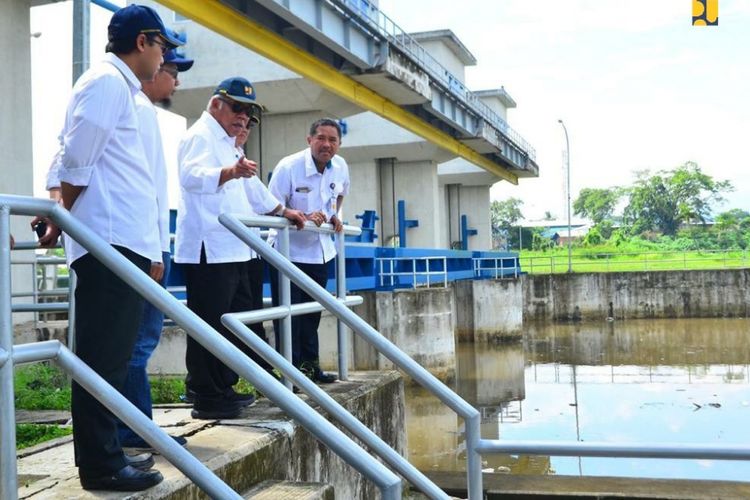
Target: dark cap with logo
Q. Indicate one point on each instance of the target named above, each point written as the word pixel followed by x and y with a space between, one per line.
pixel 179 60
pixel 237 89
pixel 129 22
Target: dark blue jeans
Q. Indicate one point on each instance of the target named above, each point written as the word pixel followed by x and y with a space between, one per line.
pixel 137 388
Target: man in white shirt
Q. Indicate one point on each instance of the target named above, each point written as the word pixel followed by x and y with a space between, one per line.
pixel 107 185
pixel 137 388
pixel 314 181
pixel 213 180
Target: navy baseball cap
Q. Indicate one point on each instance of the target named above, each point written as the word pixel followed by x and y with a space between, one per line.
pixel 129 22
pixel 237 89
pixel 182 62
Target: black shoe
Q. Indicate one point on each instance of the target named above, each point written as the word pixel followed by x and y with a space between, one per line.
pixel 216 409
pixel 188 397
pixel 239 398
pixel 142 446
pixel 322 377
pixel 142 461
pixel 126 479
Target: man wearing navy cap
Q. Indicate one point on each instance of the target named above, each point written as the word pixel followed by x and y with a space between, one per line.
pixel 159 90
pixel 107 184
pixel 214 178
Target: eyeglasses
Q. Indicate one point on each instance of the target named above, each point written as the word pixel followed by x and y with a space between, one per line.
pixel 163 46
pixel 251 110
pixel 173 72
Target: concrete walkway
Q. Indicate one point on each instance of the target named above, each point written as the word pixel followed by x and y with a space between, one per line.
pixel 264 444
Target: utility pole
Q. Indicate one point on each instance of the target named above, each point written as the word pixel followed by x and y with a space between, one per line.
pixel 567 170
pixel 81 18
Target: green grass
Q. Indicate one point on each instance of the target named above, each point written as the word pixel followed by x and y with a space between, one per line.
pixel 41 386
pixel 31 434
pixel 589 260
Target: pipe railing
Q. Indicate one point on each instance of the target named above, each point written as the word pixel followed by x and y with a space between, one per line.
pixel 388 483
pixel 283 226
pixel 359 326
pixel 237 324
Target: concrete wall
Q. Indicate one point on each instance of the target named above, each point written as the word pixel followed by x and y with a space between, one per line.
pixel 474 203
pixel 488 310
pixel 16 168
pixel 664 294
pixel 420 322
pixel 445 56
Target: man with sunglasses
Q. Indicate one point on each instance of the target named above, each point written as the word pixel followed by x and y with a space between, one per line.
pixel 214 178
pixel 107 184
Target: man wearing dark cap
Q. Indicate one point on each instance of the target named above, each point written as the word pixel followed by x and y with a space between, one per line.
pixel 159 90
pixel 213 180
pixel 107 184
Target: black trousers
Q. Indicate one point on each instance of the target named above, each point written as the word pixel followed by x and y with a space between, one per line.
pixel 108 313
pixel 213 290
pixel 305 346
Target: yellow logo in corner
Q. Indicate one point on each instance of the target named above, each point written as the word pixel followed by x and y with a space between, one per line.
pixel 705 12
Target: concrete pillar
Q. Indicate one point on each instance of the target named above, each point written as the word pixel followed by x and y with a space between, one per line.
pixel 416 183
pixel 16 167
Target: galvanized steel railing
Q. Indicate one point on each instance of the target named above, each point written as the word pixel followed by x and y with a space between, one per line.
pixel 475 445
pixel 388 483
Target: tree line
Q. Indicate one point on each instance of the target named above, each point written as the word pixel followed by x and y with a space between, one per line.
pixel 670 209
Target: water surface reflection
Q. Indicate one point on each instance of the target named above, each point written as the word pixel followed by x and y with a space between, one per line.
pixel 638 380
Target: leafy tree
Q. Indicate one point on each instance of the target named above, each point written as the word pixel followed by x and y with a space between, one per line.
pixel 503 216
pixel 667 199
pixel 597 204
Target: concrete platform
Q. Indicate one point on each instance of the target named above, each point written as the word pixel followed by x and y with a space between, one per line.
pixel 262 445
pixel 505 486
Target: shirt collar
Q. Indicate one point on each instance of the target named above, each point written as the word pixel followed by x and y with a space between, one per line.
pixel 216 128
pixel 133 82
pixel 310 167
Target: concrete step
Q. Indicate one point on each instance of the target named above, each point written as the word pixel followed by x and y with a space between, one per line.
pixel 262 444
pixel 287 490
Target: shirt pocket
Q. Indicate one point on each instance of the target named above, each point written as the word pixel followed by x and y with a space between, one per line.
pixel 300 200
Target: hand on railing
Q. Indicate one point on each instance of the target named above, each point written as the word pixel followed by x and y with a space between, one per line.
pixel 296 217
pixel 317 218
pixel 336 223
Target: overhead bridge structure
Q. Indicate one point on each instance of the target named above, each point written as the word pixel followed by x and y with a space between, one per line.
pixel 351 49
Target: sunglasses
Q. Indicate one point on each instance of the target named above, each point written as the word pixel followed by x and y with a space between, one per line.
pixel 161 45
pixel 251 110
pixel 173 72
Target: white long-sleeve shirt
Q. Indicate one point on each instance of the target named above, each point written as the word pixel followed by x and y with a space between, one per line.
pixel 102 151
pixel 204 151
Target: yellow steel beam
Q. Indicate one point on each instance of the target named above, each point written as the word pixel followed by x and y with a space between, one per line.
pixel 238 28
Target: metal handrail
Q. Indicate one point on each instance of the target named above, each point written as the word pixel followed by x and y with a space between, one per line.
pixel 414 273
pixel 284 226
pixel 373 17
pixel 478 269
pixel 237 324
pixel 388 483
pixel 358 325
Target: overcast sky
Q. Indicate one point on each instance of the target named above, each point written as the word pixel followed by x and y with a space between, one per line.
pixel 637 86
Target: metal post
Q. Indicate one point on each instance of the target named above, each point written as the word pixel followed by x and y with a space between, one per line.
pixel 72 280
pixel 473 457
pixel 8 478
pixel 285 299
pixel 341 330
pixel 81 24
pixel 567 183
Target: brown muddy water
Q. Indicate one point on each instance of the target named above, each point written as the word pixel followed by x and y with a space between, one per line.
pixel 670 381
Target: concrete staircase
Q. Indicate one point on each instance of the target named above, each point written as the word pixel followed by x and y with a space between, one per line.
pixel 286 490
pixel 263 453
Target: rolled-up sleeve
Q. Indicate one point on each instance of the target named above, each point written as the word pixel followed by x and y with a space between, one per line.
pixel 53 174
pixel 90 122
pixel 197 175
